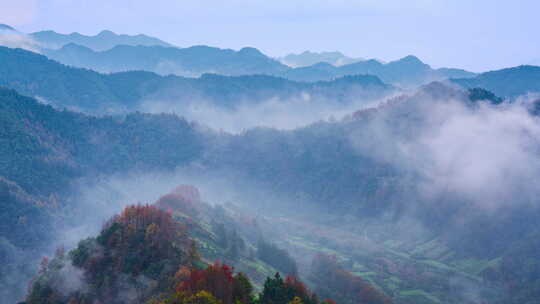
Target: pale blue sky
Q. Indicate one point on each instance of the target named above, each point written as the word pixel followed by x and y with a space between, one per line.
pixel 477 35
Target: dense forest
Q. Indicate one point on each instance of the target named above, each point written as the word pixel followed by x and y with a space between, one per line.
pixel 49 149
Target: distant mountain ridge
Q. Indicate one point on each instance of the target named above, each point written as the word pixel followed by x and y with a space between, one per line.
pixel 191 62
pixel 103 41
pixel 36 75
pixel 510 82
pixel 406 71
pixel 197 60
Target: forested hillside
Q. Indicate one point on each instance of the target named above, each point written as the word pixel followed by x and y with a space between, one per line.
pixel 233 154
pixel 363 205
pixel 149 253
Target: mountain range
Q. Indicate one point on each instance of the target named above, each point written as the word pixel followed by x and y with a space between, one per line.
pixel 193 61
pixel 86 90
pixel 108 52
pixel 420 191
pixel 48 149
pixel 103 41
pixel 198 60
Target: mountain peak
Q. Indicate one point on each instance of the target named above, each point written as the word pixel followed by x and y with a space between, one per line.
pixel 251 51
pixel 411 59
pixel 106 33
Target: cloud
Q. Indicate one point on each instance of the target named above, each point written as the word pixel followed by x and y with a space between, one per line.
pixel 274 113
pixel 484 154
pixel 14 39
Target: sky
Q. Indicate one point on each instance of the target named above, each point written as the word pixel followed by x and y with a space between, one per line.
pixel 477 35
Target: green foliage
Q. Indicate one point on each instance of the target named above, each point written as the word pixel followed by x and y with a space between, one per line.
pixel 44 149
pixel 276 257
pixel 279 291
pixel 479 94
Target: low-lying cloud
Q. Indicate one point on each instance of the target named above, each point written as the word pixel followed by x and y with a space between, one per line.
pixel 13 39
pixel 483 153
pixel 273 113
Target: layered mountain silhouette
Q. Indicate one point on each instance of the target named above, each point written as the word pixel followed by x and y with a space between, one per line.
pixel 192 61
pixel 197 60
pixel 102 41
pixel 86 90
pixel 407 71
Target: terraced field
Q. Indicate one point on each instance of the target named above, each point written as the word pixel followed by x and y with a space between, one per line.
pixel 421 270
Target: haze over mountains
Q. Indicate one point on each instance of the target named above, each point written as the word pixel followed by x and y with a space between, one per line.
pixel 408 71
pixel 212 98
pixel 372 182
pixel 103 41
pixel 308 58
pixel 109 52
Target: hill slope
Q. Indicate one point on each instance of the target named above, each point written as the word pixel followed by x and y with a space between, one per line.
pixel 416 231
pixel 509 82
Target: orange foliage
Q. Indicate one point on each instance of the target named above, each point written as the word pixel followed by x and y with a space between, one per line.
pixel 184 198
pixel 299 287
pixel 335 282
pixel 217 279
pixel 147 231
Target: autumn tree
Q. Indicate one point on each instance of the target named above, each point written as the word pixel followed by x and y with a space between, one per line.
pixel 217 279
pixel 332 281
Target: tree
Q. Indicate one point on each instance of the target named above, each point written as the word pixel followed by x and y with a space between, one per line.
pixel 276 257
pixel 279 291
pixel 201 297
pixel 216 279
pixel 242 289
pixel 296 300
pixel 332 281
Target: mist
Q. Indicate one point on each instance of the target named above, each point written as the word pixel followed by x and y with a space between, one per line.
pixel 476 152
pixel 14 39
pixel 484 153
pixel 273 113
